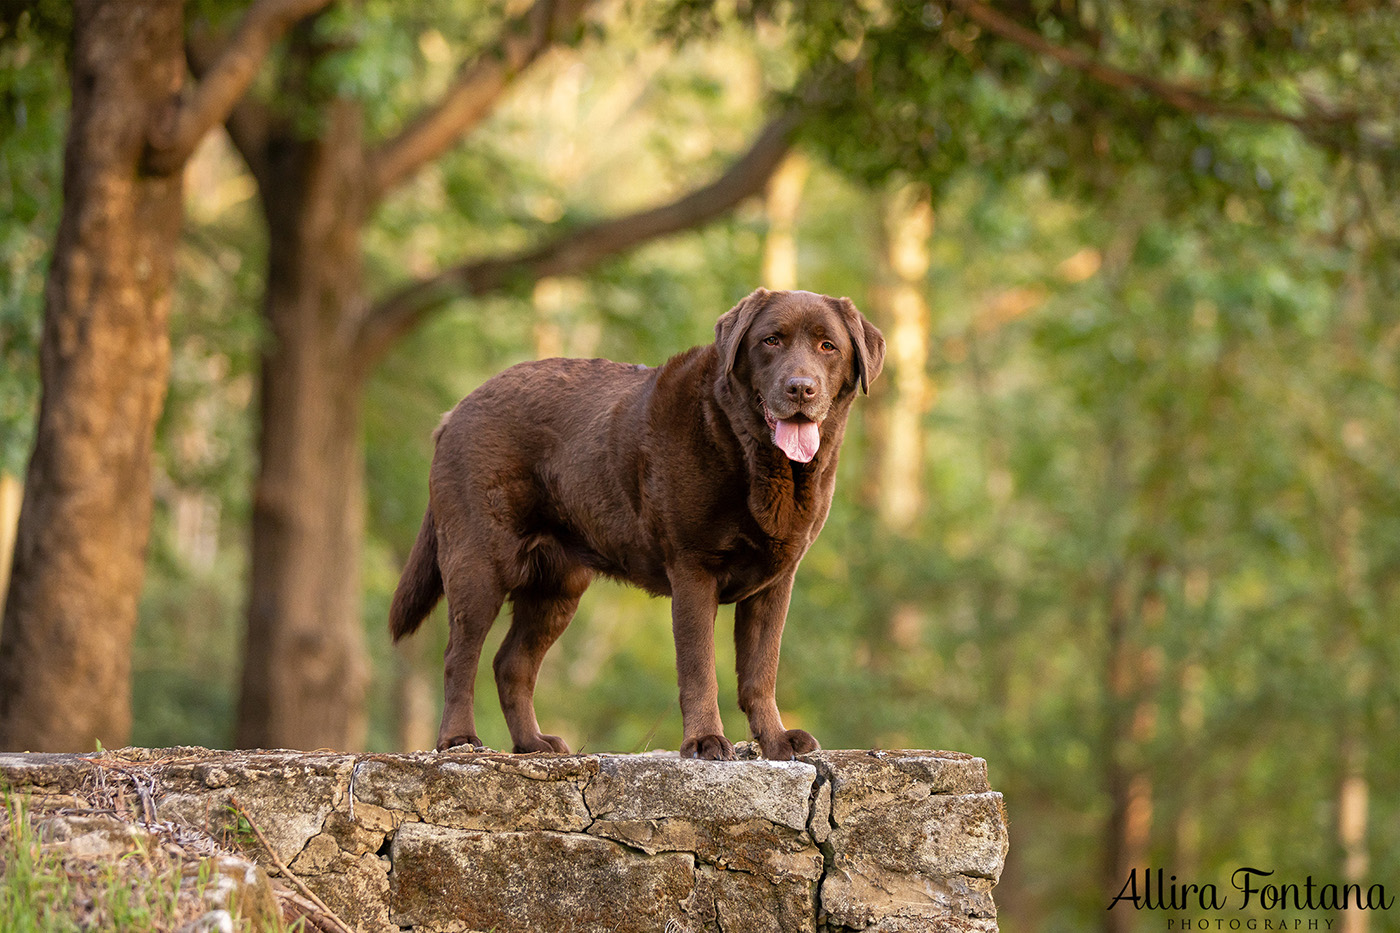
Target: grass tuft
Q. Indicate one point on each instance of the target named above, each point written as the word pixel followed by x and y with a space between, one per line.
pixel 48 887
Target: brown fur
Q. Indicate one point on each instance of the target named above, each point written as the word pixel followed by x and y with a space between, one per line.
pixel 668 478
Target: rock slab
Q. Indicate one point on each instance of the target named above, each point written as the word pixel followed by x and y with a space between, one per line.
pixel 887 841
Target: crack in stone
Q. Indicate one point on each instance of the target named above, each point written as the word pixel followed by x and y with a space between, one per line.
pixel 582 785
pixel 825 846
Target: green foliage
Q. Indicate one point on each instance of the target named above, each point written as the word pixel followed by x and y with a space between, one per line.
pixel 33 92
pixel 41 891
pixel 927 90
pixel 47 887
pixel 32 881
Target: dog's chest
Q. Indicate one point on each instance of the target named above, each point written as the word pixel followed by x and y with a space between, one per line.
pixel 753 561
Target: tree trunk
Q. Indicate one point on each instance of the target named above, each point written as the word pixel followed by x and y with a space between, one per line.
pixel 305 672
pixel 11 494
pixel 909 220
pixel 1352 807
pixel 415 710
pixel 1131 679
pixel 782 201
pixel 65 652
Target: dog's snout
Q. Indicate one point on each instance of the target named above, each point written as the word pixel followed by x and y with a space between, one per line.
pixel 801 388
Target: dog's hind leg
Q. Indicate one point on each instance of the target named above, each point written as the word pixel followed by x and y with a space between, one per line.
pixel 541 612
pixel 474 598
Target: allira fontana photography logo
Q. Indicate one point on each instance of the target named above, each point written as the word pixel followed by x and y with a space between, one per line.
pixel 1270 902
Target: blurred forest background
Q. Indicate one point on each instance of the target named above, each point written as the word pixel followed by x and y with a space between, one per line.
pixel 1122 515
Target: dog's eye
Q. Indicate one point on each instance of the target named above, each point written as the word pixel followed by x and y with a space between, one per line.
pixel 771 340
pixel 828 346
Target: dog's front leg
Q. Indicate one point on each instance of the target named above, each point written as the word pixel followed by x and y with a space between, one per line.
pixel 694 601
pixel 758 629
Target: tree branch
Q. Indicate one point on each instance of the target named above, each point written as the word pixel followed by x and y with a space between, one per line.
pixel 579 250
pixel 472 94
pixel 249 123
pixel 1181 96
pixel 225 82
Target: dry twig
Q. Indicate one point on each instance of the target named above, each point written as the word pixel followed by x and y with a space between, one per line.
pixel 287 872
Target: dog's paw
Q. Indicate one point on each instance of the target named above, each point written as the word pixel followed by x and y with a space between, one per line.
pixel 785 746
pixel 542 743
pixel 709 747
pixel 467 742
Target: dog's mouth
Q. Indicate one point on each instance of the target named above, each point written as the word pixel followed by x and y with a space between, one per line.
pixel 798 436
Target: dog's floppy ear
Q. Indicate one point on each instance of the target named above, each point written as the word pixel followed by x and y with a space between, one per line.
pixel 867 340
pixel 734 324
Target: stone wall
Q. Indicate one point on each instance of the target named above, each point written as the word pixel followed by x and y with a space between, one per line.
pixel 841 840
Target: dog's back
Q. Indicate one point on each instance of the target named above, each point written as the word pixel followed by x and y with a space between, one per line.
pixel 549 449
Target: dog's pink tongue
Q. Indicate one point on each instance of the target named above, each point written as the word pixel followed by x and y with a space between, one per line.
pixel 798 439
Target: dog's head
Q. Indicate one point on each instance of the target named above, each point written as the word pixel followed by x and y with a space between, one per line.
pixel 798 353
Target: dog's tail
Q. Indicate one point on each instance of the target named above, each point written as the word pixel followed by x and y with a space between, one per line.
pixel 420 587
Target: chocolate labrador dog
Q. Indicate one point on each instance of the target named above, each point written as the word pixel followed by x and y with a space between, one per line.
pixel 705 480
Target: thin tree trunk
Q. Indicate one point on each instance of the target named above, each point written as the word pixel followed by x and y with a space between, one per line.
pixel 11 494
pixel 782 201
pixel 1120 855
pixel 415 711
pixel 894 471
pixel 1131 721
pixel 104 359
pixel 909 219
pixel 305 672
pixel 1352 816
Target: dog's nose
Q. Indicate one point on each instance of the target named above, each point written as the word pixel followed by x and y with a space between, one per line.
pixel 801 388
